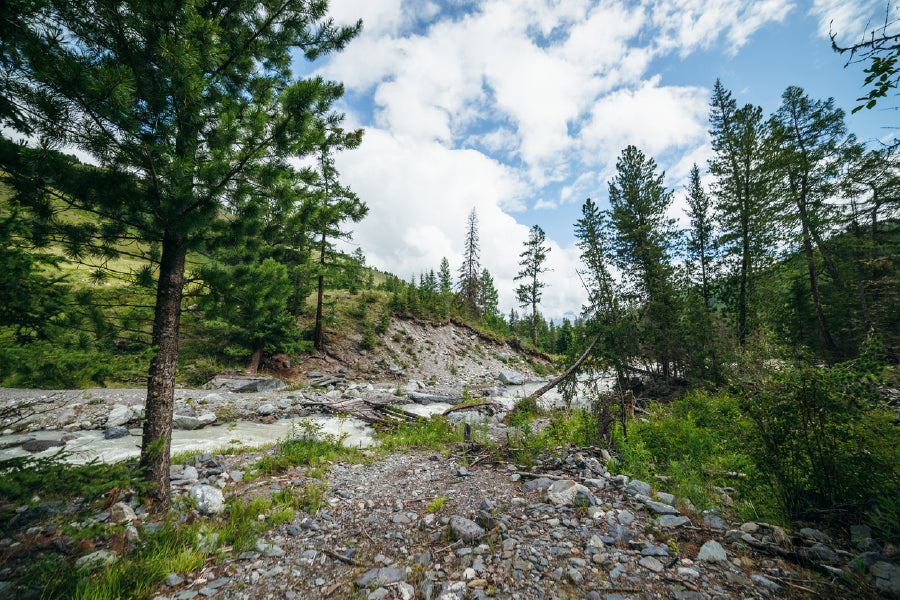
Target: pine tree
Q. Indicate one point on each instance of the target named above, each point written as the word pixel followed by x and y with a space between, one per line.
pixel 335 203
pixel 744 207
pixel 445 278
pixel 531 262
pixel 469 271
pixel 488 298
pixel 810 140
pixel 189 110
pixel 642 237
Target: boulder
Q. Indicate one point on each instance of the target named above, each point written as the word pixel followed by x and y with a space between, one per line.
pixel 541 484
pixel 186 422
pixel 119 415
pixel 114 433
pixel 712 551
pixel 209 500
pixel 886 578
pixel 207 418
pixel 511 377
pixel 242 383
pixel 266 409
pixel 35 446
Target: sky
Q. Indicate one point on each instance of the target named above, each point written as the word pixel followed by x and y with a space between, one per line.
pixel 519 109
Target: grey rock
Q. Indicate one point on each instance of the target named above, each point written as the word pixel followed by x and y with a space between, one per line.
pixel 655 551
pixel 764 581
pixel 114 433
pixel 600 484
pixel 120 512
pixel 658 508
pixel 96 560
pixel 713 520
pixel 173 579
pixel 665 498
pixel 511 377
pixel 567 492
pixel 815 535
pixel 867 559
pixel 236 476
pixel 209 500
pixel 625 517
pixel 41 445
pixel 243 384
pixel 621 534
pixel 378 594
pixel 190 473
pixel 452 590
pixel 186 595
pixel 712 551
pixel 637 487
pixel 266 409
pixel 270 550
pixel 119 415
pixel 648 562
pixel 886 578
pixel 541 484
pixel 208 418
pixel 574 576
pixel 187 423
pixel 464 529
pixel 821 553
pixel 671 521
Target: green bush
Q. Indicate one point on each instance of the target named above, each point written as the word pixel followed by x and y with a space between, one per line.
pixel 825 437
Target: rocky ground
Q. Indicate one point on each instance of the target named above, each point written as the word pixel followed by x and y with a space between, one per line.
pixel 566 529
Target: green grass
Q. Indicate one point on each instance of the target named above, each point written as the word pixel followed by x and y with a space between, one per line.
pixel 307 447
pixel 22 478
pixel 436 433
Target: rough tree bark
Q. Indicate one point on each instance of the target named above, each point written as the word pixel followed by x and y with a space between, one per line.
pixel 156 443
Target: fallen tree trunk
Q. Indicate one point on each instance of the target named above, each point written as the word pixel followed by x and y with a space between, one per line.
pixel 568 371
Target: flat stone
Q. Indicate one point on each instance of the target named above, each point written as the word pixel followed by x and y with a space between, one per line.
pixel 380 576
pixel 452 590
pixel 648 562
pixel 236 383
pixel 815 535
pixel 625 517
pixel 671 521
pixel 763 581
pixel 173 579
pixel 821 553
pixel 96 560
pixel 665 498
pixel 658 508
pixel 541 484
pixel 886 578
pixel 511 377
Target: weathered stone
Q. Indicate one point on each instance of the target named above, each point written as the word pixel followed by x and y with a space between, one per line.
pixel 750 527
pixel 35 446
pixel 713 520
pixel 658 508
pixel 186 422
pixel 886 578
pixel 671 521
pixel 821 553
pixel 625 517
pixel 665 498
pixel 114 433
pixel 238 383
pixel 648 562
pixel 209 500
pixel 712 551
pixel 541 484
pixel 119 415
pixel 567 493
pixel 638 487
pixel 452 590
pixel 465 529
pixel 511 377
pixel 765 582
pixel 266 409
pixel 815 535
pixel 96 560
pixel 120 512
pixel 208 418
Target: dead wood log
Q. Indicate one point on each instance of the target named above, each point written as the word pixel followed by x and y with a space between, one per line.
pixel 460 408
pixel 568 371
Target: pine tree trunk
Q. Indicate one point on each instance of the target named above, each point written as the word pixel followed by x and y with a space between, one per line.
pixel 255 359
pixel 534 323
pixel 157 439
pixel 319 336
pixel 814 285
